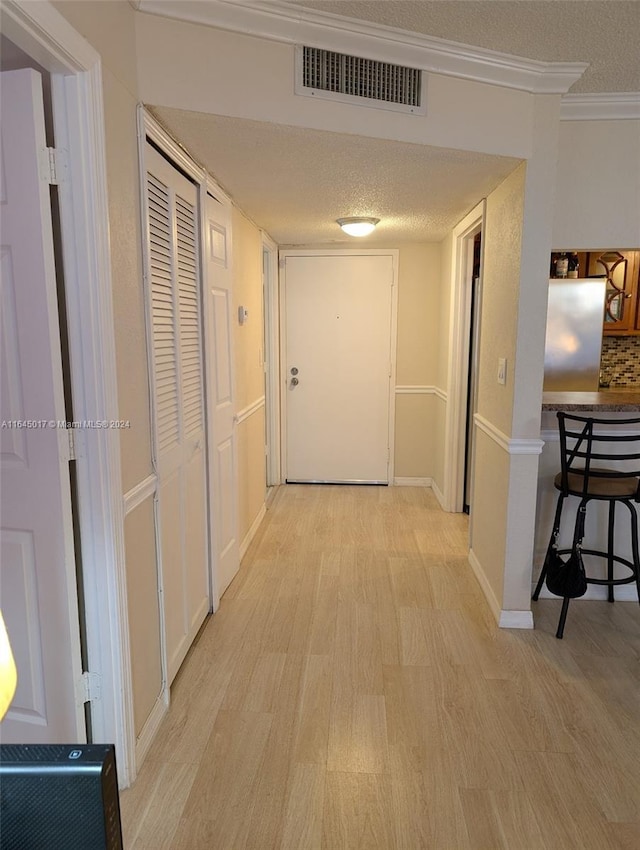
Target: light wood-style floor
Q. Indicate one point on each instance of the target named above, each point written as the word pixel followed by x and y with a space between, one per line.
pixel 354 692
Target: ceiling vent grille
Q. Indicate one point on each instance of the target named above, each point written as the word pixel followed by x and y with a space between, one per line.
pixel 338 76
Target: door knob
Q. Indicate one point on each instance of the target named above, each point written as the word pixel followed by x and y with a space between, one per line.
pixel 294 382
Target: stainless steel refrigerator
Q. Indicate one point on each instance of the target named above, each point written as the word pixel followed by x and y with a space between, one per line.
pixel 575 316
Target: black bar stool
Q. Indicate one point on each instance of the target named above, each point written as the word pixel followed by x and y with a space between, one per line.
pixel 589 448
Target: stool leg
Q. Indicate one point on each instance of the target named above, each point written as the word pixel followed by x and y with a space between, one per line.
pixel 634 544
pixel 536 592
pixel 563 616
pixel 556 526
pixel 612 517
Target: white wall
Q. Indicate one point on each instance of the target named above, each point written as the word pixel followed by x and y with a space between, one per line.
pixel 195 67
pixel 598 185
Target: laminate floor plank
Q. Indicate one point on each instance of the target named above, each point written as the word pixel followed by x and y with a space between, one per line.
pixel 353 692
pixel 358 812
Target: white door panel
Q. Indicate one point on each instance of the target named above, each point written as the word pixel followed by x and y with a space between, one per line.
pixel 338 329
pixel 221 398
pixel 173 228
pixel 171 543
pixel 38 581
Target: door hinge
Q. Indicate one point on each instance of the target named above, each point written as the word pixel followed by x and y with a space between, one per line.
pixel 52 166
pixel 89 687
pixel 72 444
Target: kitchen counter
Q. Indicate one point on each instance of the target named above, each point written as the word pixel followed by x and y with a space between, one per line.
pixel 618 400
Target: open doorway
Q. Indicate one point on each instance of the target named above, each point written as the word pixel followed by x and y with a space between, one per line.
pixel 472 379
pixel 271 361
pixel 466 308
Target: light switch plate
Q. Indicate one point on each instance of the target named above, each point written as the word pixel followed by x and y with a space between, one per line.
pixel 502 370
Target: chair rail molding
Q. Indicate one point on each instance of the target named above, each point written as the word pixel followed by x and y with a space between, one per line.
pixel 140 493
pixel 250 409
pixel 511 445
pixel 420 389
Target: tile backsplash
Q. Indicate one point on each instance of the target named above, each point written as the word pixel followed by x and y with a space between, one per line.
pixel 621 360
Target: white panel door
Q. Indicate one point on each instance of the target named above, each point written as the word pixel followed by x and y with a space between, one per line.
pixel 174 288
pixel 338 315
pixel 221 397
pixel 38 591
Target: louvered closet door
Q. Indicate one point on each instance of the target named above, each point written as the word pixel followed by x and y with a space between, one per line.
pixel 178 403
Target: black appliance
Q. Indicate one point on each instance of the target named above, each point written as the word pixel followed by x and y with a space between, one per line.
pixel 59 797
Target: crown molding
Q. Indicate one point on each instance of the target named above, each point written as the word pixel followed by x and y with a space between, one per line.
pixel 600 106
pixel 279 21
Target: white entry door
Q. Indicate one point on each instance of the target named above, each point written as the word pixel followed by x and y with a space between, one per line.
pixel 38 580
pixel 179 425
pixel 221 397
pixel 338 366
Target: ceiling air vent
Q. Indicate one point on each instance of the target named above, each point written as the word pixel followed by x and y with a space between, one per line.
pixel 352 79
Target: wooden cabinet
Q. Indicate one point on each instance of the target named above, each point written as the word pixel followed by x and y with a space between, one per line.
pixel 622 305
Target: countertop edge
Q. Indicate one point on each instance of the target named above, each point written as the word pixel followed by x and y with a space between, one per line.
pixel 614 401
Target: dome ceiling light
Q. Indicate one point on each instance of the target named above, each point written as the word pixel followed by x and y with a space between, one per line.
pixel 358 225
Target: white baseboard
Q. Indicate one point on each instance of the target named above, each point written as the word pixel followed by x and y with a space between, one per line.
pixel 412 482
pixel 506 619
pixel 437 492
pixel 151 726
pixel 623 593
pixel 255 525
pixel 515 619
pixel 407 481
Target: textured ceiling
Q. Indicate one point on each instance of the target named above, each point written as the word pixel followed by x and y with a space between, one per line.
pixel 295 182
pixel 605 34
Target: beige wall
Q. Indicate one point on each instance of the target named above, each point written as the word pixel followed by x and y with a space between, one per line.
pixel 144 621
pixel 109 27
pixel 251 472
pixel 442 364
pixel 513 319
pixel 419 297
pixel 247 291
pixel 502 245
pixel 415 438
pixel 501 292
pixel 249 341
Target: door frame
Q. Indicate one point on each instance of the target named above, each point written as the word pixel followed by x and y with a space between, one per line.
pixel 76 76
pixel 271 302
pixel 339 252
pixel 458 359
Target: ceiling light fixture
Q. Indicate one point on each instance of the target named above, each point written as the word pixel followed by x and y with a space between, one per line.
pixel 358 225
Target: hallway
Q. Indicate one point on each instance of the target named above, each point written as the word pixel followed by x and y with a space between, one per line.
pixel 353 691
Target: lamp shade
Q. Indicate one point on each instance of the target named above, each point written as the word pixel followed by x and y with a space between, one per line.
pixel 8 673
pixel 357 225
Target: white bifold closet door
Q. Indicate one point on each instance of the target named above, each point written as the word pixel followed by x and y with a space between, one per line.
pixel 176 357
